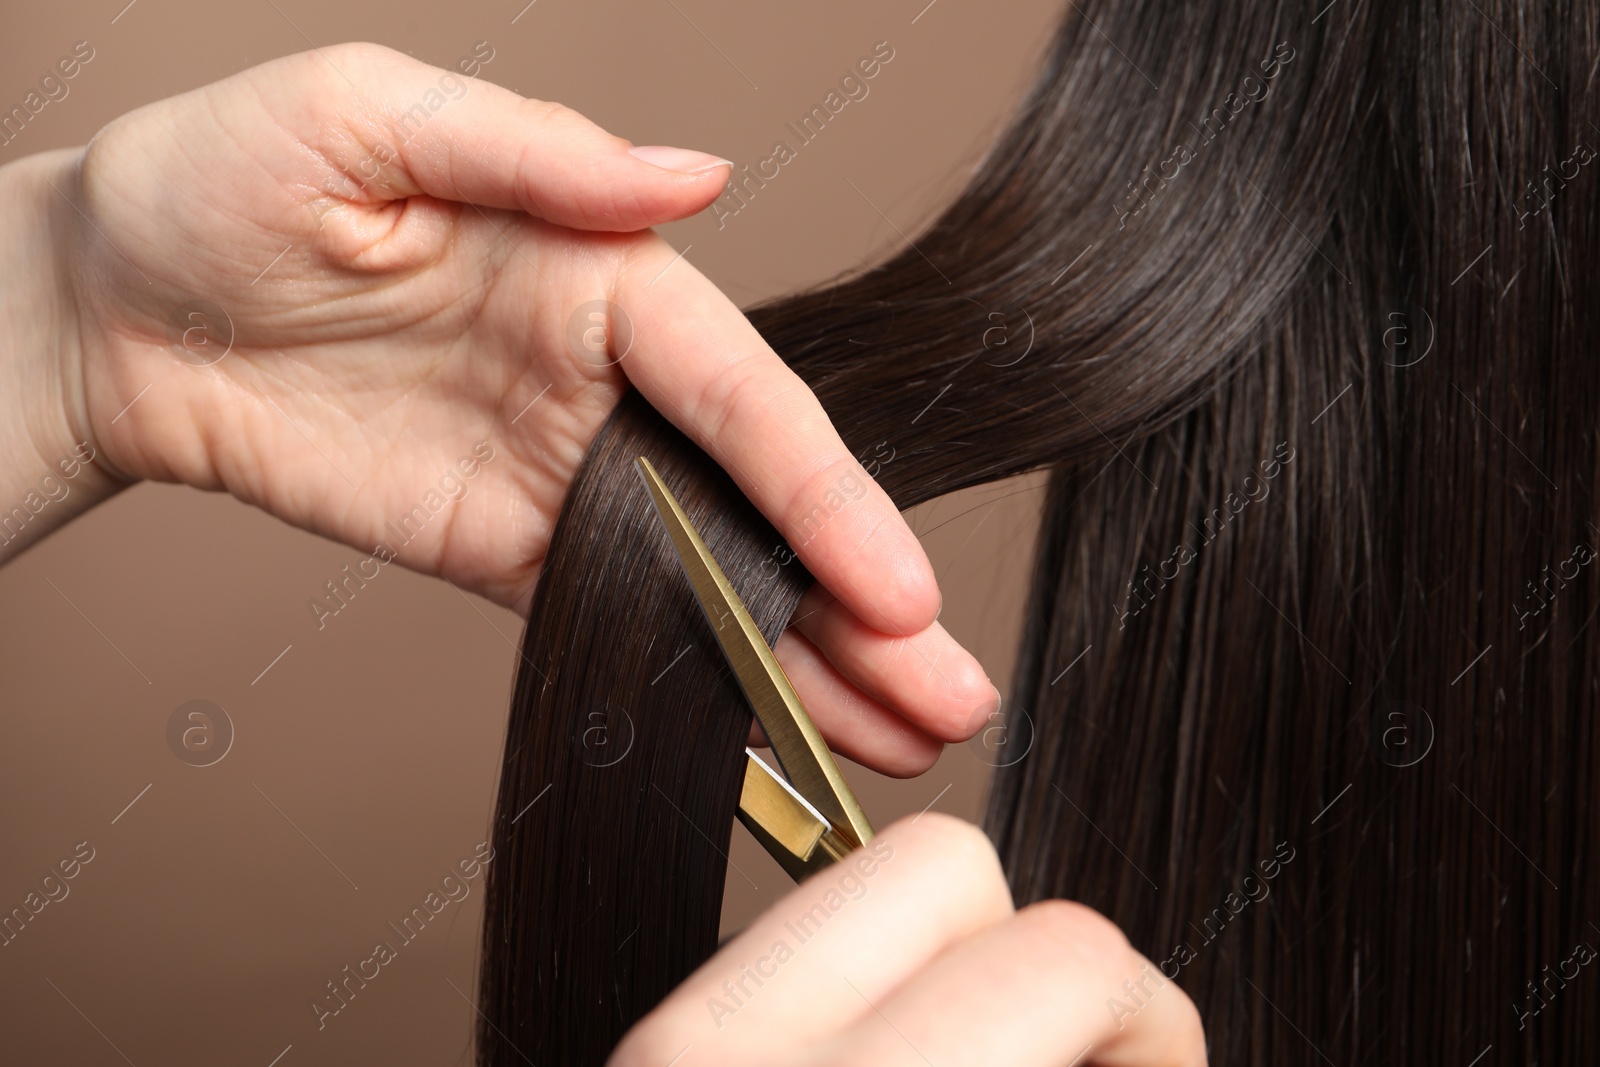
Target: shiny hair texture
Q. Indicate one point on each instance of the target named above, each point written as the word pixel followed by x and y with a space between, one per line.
pixel 1314 374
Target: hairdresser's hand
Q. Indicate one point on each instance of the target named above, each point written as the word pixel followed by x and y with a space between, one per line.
pixel 910 953
pixel 375 298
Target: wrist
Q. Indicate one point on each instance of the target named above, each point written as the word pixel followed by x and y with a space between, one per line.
pixel 51 469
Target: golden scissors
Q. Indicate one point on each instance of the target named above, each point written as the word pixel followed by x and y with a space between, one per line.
pixel 806 817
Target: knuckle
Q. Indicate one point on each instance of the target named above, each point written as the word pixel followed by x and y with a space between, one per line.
pixel 959 837
pixel 1078 930
pixel 324 78
pixel 1182 1031
pixel 646 1045
pixel 726 394
pixel 1188 1029
pixel 555 115
pixel 360 55
pixel 804 513
pixel 552 111
pixel 960 847
pixel 101 150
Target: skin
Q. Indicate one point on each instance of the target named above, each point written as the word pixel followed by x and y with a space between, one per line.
pixel 918 956
pixel 317 284
pixel 397 288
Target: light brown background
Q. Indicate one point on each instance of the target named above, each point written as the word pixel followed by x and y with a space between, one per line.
pixel 365 759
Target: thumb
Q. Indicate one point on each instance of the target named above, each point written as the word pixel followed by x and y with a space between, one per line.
pixel 400 128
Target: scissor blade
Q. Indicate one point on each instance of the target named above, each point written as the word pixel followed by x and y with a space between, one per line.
pixel 793 832
pixel 798 746
pixel 774 805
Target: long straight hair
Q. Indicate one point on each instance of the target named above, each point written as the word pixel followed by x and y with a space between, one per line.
pixel 1312 365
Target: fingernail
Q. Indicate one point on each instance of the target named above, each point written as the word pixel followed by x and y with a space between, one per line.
pixel 683 160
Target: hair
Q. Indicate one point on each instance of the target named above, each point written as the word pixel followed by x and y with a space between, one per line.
pixel 1313 374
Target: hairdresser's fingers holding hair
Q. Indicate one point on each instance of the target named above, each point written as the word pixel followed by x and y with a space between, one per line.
pixel 364 303
pixel 701 363
pixel 927 679
pixel 910 952
pixel 855 724
pixel 871 616
pixel 890 703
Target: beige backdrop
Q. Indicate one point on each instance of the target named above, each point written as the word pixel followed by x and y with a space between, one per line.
pixel 220 899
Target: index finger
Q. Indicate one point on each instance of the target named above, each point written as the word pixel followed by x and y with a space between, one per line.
pixel 700 362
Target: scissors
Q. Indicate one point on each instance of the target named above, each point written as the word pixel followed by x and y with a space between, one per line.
pixel 804 813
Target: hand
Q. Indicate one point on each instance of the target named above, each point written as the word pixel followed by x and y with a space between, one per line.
pixel 909 952
pixel 348 287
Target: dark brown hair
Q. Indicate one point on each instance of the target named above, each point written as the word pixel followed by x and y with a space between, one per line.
pixel 1312 366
